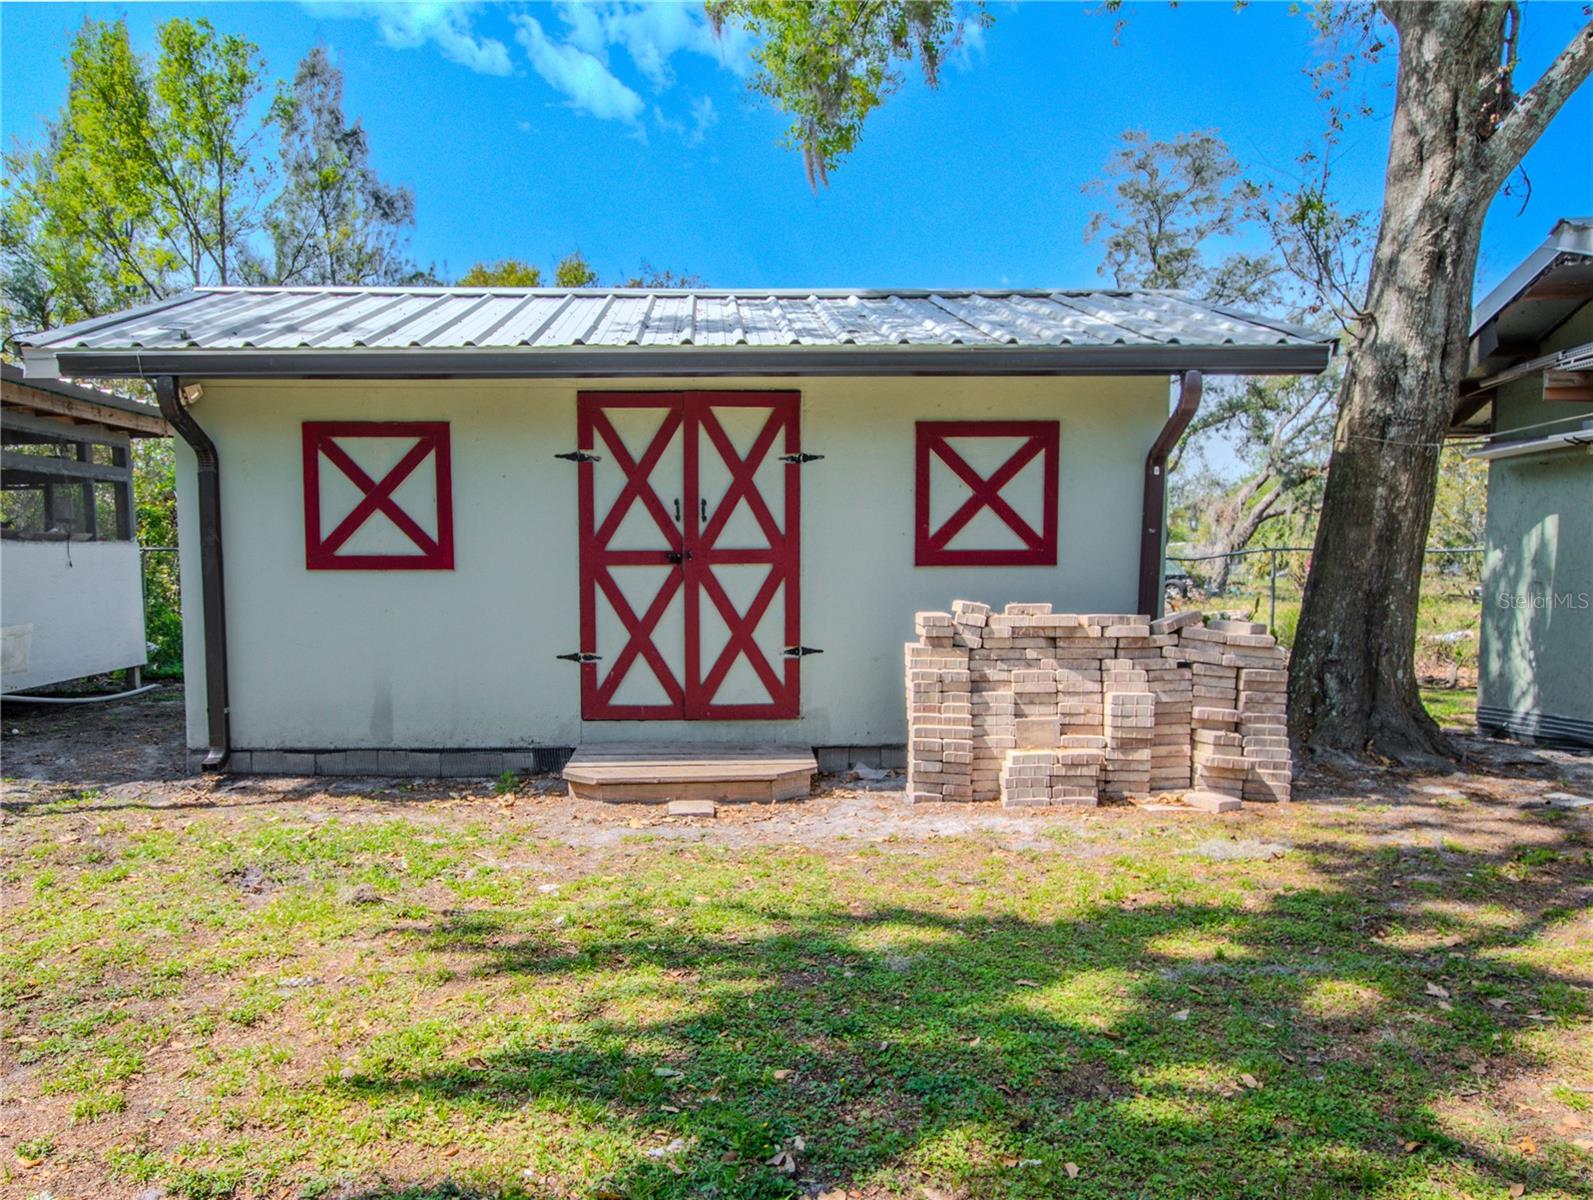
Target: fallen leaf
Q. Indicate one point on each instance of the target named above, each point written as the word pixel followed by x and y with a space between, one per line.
pixel 1412 1147
pixel 782 1074
pixel 833 1194
pixel 1072 1169
pixel 1527 1146
pixel 450 1151
pixel 1518 1189
pixel 1250 1081
pixel 1024 983
pixel 1181 1015
pixel 1438 990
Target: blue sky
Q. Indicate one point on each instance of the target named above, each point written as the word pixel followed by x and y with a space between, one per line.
pixel 629 132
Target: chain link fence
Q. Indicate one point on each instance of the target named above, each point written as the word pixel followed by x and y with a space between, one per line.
pixel 1274 577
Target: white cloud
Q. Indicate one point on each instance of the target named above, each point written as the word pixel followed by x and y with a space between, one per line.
pixel 523 126
pixel 970 43
pixel 411 24
pixel 652 34
pixel 578 74
pixel 668 124
pixel 703 118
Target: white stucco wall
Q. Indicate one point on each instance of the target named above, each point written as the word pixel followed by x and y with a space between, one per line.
pixel 69 609
pixel 466 658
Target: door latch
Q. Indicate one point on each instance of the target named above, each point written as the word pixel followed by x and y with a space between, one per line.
pixel 801 651
pixel 582 656
pixel 799 459
pixel 580 456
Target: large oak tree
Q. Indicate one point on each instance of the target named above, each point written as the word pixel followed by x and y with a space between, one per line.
pixel 1460 129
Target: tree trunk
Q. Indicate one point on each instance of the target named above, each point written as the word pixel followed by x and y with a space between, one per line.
pixel 1353 684
pixel 1245 522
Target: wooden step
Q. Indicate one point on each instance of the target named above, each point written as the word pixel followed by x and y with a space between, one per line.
pixel 655 774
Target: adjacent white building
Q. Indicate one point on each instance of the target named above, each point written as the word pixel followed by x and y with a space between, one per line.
pixel 71 596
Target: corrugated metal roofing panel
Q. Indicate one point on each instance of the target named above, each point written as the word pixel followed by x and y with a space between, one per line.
pixel 766 322
pixel 526 325
pixel 356 321
pixel 1107 318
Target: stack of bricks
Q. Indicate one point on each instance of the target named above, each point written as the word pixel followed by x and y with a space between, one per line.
pixel 940 713
pixel 1218 751
pixel 1064 775
pixel 1130 729
pixel 1172 683
pixel 1262 693
pixel 1032 707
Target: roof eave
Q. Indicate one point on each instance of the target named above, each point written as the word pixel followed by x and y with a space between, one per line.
pixel 632 362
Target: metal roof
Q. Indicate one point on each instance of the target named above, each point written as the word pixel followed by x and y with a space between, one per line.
pixel 538 331
pixel 1569 243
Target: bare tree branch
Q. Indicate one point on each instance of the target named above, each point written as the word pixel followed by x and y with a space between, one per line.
pixel 1523 124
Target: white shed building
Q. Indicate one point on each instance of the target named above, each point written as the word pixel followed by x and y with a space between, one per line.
pixel 461 530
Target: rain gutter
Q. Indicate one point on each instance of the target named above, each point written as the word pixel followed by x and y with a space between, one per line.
pixel 1152 526
pixel 631 362
pixel 211 581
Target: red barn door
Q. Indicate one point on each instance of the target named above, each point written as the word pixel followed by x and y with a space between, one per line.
pixel 689 547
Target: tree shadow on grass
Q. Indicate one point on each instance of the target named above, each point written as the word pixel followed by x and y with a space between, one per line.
pixel 1279 1046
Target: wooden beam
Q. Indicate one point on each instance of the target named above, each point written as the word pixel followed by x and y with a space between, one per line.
pixel 1568 385
pixel 66 431
pixel 36 464
pixel 146 424
pixel 1567 289
pixel 1468 407
pixel 1486 344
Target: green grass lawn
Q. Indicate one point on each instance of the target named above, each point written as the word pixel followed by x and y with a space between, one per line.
pixel 401 996
pixel 1455 707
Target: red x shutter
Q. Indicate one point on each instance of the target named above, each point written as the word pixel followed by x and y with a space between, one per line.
pixel 1035 532
pixel 326 535
pixel 709 550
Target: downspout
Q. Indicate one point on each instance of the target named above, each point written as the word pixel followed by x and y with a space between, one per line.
pixel 1152 531
pixel 211 590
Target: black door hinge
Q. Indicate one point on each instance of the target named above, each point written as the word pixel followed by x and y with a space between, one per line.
pixel 580 456
pixel 799 459
pixel 582 656
pixel 801 651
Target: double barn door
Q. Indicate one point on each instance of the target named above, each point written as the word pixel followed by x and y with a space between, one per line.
pixel 689 555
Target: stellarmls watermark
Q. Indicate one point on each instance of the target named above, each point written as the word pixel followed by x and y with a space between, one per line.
pixel 1544 600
